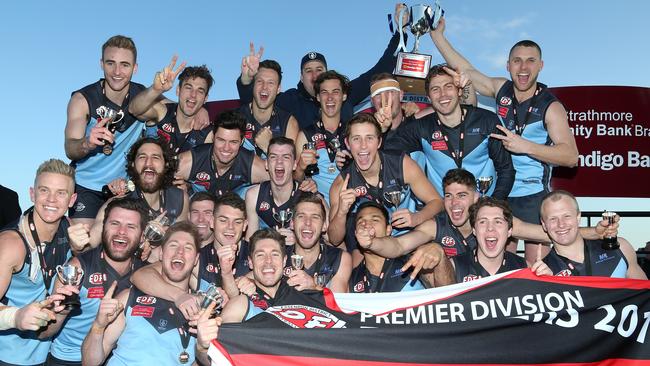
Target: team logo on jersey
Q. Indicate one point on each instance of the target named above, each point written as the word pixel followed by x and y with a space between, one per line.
pixel 450 252
pixel 259 302
pixel 437 135
pixel 360 191
pixel 79 207
pixel 97 278
pixel 359 287
pixel 211 268
pixel 203 176
pixel 146 300
pixel 564 273
pixel 144 311
pixel 439 145
pixel 318 137
pixel 167 127
pixel 502 111
pixel 287 270
pixel 505 101
pixel 95 292
pixel 470 278
pixel 264 206
pixel 448 241
pixel 162 324
pixel 396 273
pixel 305 317
pixel 164 135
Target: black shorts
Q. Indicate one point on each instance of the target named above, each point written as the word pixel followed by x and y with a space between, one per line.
pixel 88 203
pixel 53 361
pixel 526 208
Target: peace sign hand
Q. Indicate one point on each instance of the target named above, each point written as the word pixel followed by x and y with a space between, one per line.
pixel 385 113
pixel 511 141
pixel 250 64
pixel 164 80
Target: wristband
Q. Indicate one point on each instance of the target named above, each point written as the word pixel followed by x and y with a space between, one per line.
pixel 8 317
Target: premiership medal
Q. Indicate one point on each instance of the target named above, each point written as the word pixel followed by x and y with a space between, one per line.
pixel 184 357
pixel 331 168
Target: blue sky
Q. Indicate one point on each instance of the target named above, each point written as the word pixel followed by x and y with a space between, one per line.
pixel 52 48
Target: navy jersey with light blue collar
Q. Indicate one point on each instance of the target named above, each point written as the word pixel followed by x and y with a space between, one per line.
pixel 277 123
pixel 210 270
pixel 469 269
pixel 169 130
pixel 204 178
pixel 392 278
pixel 450 238
pixel 598 262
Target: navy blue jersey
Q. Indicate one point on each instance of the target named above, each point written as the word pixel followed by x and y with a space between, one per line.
pixel 598 262
pixel 203 175
pixel 532 175
pixel 468 267
pixel 327 170
pixel 171 200
pixel 450 238
pixel 467 145
pixel 391 278
pixel 169 130
pixel 210 270
pixel 327 262
pixel 277 123
pixel 266 206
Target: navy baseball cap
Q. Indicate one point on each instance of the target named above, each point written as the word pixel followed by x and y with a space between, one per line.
pixel 313 56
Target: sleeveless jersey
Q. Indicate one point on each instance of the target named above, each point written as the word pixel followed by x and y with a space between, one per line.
pixel 171 200
pixel 267 208
pixel 168 130
pixel 532 176
pixel 469 141
pixel 327 170
pixel 210 270
pixel 151 335
pixel 598 262
pixel 469 269
pixel 327 262
pixel 24 347
pixel 98 277
pixel 391 279
pixel 277 123
pixel 450 238
pixel 203 175
pixel 96 169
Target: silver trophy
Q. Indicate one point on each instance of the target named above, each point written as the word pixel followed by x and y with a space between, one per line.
pixel 297 261
pixel 396 197
pixel 311 169
pixel 70 275
pixel 610 242
pixel 321 279
pixel 209 296
pixel 422 19
pixel 283 217
pixel 154 231
pixel 114 117
pixel 483 184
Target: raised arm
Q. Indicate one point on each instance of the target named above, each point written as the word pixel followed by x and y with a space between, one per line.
pixel 249 66
pixel 341 200
pixel 147 105
pixel 393 247
pixel 106 329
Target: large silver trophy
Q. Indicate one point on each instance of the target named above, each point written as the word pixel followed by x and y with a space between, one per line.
pixel 283 217
pixel 70 275
pixel 395 197
pixel 209 296
pixel 114 117
pixel 412 67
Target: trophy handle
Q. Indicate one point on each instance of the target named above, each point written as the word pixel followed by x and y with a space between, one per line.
pixel 59 270
pixel 118 116
pixel 82 272
pixel 276 217
pixel 289 215
pixel 401 47
pixel 102 111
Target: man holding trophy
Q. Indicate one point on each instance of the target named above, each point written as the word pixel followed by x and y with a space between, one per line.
pixel 113 261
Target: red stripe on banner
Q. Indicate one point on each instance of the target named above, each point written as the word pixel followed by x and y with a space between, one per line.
pixel 330 301
pixel 269 360
pixel 223 351
pixel 584 281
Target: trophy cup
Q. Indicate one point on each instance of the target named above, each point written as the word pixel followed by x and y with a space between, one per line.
pixel 335 145
pixel 610 243
pixel 397 196
pixel 154 231
pixel 312 169
pixel 296 261
pixel 483 184
pixel 114 117
pixel 107 193
pixel 412 67
pixel 70 275
pixel 321 279
pixel 209 296
pixel 283 217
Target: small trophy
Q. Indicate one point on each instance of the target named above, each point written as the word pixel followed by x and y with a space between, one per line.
pixel 283 217
pixel 397 196
pixel 610 243
pixel 114 117
pixel 154 231
pixel 312 169
pixel 107 193
pixel 412 67
pixel 296 261
pixel 483 184
pixel 70 275
pixel 335 145
pixel 209 296
pixel 321 279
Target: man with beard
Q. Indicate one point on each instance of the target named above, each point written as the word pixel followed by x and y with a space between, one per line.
pixel 318 257
pixel 30 250
pixel 457 136
pixel 264 119
pixel 113 261
pixel 452 229
pixel 371 176
pixel 151 165
pixel 229 226
pixel 535 125
pixel 87 133
pixel 380 274
pixel 302 101
pixel 222 166
pixel 141 329
pixel 175 122
pixel 573 255
pixel 265 200
pixel 202 215
pixel 319 163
